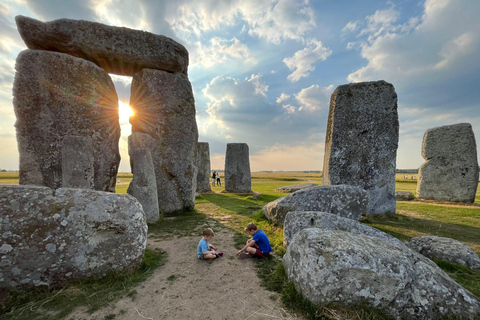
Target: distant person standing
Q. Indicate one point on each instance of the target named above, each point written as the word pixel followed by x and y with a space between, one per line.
pixel 213 178
pixel 219 183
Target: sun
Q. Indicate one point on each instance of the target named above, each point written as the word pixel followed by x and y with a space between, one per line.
pixel 124 112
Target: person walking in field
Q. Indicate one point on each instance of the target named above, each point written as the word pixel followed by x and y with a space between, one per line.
pixel 219 183
pixel 258 246
pixel 213 178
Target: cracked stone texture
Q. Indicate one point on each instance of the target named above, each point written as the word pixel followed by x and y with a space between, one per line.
pixel 203 176
pixel 445 249
pixel 143 185
pixel 164 109
pixel 450 170
pixel 343 200
pixel 299 220
pixel 237 168
pixel 56 95
pixel 337 266
pixel 296 187
pixel 118 50
pixel 77 162
pixel 362 140
pixel 51 236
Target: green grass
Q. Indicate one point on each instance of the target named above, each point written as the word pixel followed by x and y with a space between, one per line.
pixel 94 294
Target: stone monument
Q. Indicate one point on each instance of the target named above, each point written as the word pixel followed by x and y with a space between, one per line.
pixel 237 169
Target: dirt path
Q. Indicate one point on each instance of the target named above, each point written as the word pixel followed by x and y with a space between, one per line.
pixel 189 288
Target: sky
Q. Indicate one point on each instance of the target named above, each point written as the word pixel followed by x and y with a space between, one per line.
pixel 263 71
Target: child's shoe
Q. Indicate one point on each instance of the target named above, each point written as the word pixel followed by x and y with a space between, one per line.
pixel 220 254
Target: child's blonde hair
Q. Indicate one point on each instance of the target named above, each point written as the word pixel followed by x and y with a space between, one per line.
pixel 208 232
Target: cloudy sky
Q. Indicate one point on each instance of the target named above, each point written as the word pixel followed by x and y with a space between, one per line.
pixel 263 71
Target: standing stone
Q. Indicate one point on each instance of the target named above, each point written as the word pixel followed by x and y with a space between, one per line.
pixel 143 185
pixel 118 50
pixel 77 163
pixel 203 176
pixel 361 141
pixel 164 108
pixel 48 237
pixel 237 168
pixel 450 170
pixel 56 95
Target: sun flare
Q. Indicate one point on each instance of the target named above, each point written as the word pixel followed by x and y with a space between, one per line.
pixel 124 112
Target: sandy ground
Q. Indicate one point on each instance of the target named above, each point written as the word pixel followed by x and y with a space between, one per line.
pixel 226 288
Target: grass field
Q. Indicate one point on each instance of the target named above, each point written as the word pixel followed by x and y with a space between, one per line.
pixel 413 218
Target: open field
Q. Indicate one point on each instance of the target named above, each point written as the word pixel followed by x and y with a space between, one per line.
pixel 229 213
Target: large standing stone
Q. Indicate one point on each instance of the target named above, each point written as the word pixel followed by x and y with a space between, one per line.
pixel 77 162
pixel 56 95
pixel 143 185
pixel 237 168
pixel 445 249
pixel 450 170
pixel 116 49
pixel 165 109
pixel 337 266
pixel 347 201
pixel 299 220
pixel 361 141
pixel 295 187
pixel 50 236
pixel 203 176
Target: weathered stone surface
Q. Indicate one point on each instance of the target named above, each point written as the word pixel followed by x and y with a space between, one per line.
pixel 361 142
pixel 296 187
pixel 203 176
pixel 165 109
pixel 238 177
pixel 77 162
pixel 54 96
pixel 450 170
pixel 337 266
pixel 404 195
pixel 50 236
pixel 144 185
pixel 347 201
pixel 299 220
pixel 118 50
pixel 445 249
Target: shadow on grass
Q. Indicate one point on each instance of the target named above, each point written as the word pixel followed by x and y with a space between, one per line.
pixel 239 206
pixel 404 223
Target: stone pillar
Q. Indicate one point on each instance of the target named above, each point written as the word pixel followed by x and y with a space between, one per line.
pixel 77 163
pixel 165 109
pixel 450 170
pixel 57 95
pixel 144 185
pixel 362 140
pixel 237 168
pixel 203 176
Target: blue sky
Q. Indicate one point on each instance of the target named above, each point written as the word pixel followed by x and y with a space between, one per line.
pixel 263 71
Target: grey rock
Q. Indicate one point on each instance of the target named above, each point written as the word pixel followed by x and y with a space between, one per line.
pixel 77 162
pixel 347 201
pixel 165 109
pixel 404 195
pixel 56 95
pixel 445 249
pixel 361 142
pixel 118 50
pixel 237 168
pixel 299 220
pixel 51 236
pixel 336 266
pixel 450 170
pixel 144 185
pixel 296 187
pixel 203 176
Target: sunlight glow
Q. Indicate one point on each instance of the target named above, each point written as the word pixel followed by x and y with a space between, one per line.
pixel 124 113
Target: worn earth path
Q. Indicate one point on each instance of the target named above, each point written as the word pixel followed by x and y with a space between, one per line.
pixel 189 288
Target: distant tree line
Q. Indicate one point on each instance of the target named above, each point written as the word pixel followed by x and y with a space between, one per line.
pixel 411 171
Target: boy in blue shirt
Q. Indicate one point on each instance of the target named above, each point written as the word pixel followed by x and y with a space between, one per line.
pixel 205 250
pixel 258 246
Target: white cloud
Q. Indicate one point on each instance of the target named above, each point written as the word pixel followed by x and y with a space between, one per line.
pixel 283 97
pixel 303 61
pixel 350 27
pixel 289 108
pixel 380 22
pixel 314 97
pixel 220 51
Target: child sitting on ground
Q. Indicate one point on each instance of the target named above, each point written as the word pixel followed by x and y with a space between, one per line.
pixel 205 250
pixel 258 246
